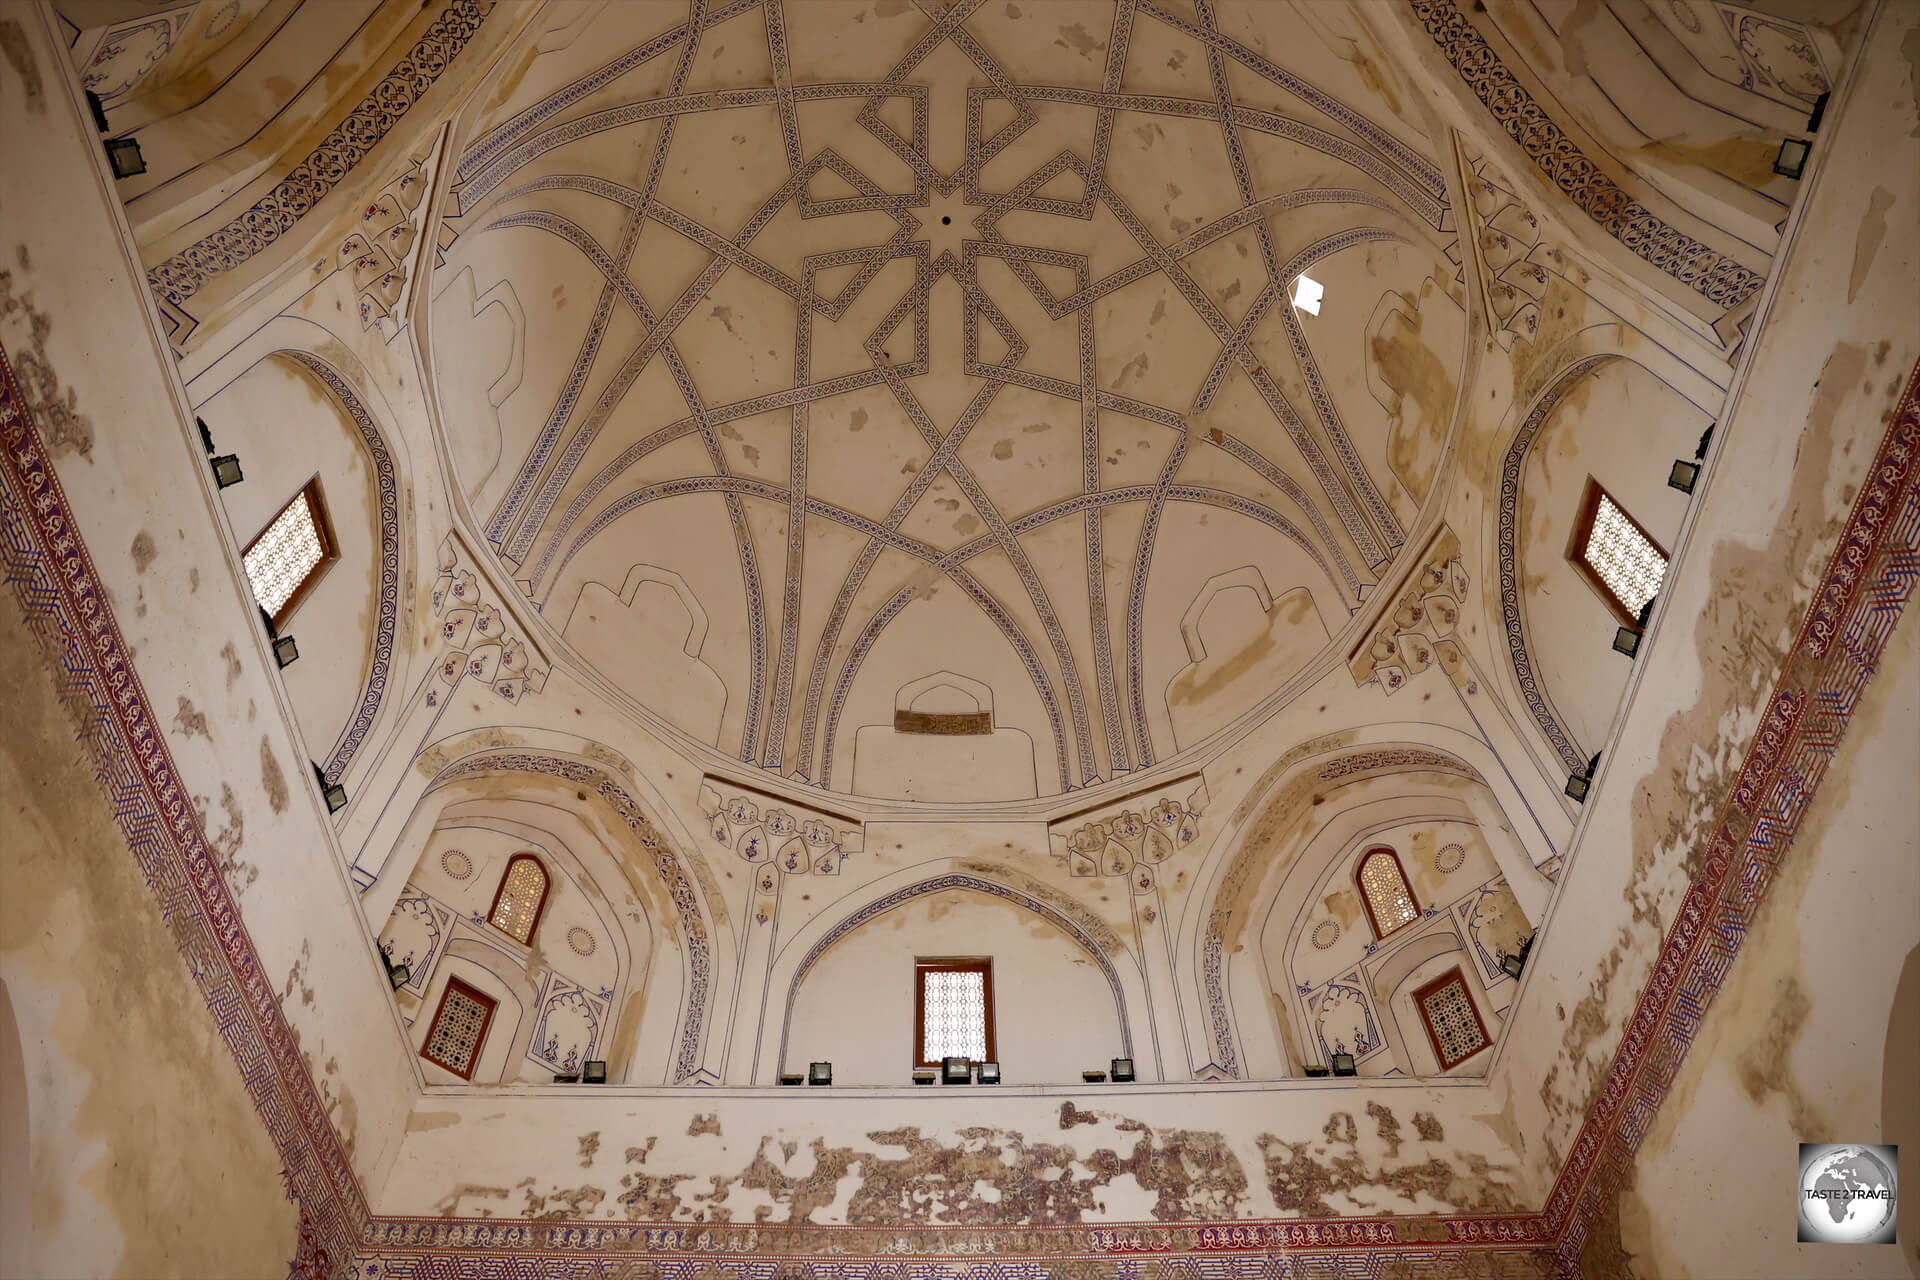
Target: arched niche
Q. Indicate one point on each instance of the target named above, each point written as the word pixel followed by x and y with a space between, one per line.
pixel 1538 500
pixel 1109 973
pixel 655 1020
pixel 294 415
pixel 1284 849
pixel 592 950
pixel 1054 1013
pixel 1616 423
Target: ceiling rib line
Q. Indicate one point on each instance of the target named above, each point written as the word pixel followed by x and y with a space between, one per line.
pixel 522 537
pixel 504 134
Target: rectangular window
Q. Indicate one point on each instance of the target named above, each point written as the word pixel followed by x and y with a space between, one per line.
pixel 1615 555
pixel 953 1011
pixel 1453 1023
pixel 288 556
pixel 459 1028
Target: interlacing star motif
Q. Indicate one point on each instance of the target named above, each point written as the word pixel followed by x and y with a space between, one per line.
pixel 1054 280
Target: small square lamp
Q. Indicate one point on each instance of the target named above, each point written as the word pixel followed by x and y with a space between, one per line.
pixel 989 1073
pixel 925 1077
pixel 285 651
pixel 124 155
pixel 399 975
pixel 593 1071
pixel 956 1071
pixel 793 1078
pixel 1683 475
pixel 1343 1065
pixel 568 1078
pixel 1578 785
pixel 1626 640
pixel 226 470
pixel 1513 965
pixel 1094 1077
pixel 1792 160
pixel 819 1073
pixel 1317 1072
pixel 1122 1070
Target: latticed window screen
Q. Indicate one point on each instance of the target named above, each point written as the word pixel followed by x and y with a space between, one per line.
pixel 1617 555
pixel 1389 900
pixel 288 553
pixel 459 1028
pixel 523 891
pixel 1452 1022
pixel 955 1017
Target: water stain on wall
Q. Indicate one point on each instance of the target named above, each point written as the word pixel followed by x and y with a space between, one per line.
pixel 80 929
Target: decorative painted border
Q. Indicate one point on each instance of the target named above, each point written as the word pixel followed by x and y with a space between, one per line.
pixel 1866 583
pixel 327 165
pixel 1538 704
pixel 993 888
pixel 387 611
pixel 1705 270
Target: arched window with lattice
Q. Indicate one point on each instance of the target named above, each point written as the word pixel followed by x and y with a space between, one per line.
pixel 520 899
pixel 1385 891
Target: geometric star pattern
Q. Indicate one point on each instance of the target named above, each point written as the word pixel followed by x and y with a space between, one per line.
pixel 998 317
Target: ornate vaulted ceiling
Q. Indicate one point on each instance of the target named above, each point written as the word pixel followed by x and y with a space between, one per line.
pixel 832 391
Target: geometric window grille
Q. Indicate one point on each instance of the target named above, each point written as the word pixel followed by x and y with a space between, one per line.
pixel 1453 1023
pixel 1615 555
pixel 521 897
pixel 287 557
pixel 459 1028
pixel 954 1011
pixel 1385 892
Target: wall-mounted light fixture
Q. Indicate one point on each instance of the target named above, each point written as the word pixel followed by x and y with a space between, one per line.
pixel 124 155
pixel 1317 1072
pixel 226 470
pixel 1819 113
pixel 989 1073
pixel 593 1071
pixel 1792 160
pixel 335 793
pixel 925 1077
pixel 1579 784
pixel 572 1077
pixel 1094 1077
pixel 794 1078
pixel 819 1073
pixel 1343 1065
pixel 1515 964
pixel 956 1071
pixel 99 111
pixel 285 651
pixel 399 975
pixel 1122 1070
pixel 1626 640
pixel 1683 475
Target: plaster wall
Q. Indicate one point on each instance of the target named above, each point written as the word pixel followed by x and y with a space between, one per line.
pixel 1617 425
pixel 1054 1014
pixel 1812 1037
pixel 131 1145
pixel 125 449
pixel 288 430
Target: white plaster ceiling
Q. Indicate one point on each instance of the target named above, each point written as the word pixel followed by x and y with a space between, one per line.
pixel 807 364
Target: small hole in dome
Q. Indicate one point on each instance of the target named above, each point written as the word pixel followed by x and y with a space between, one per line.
pixel 946 220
